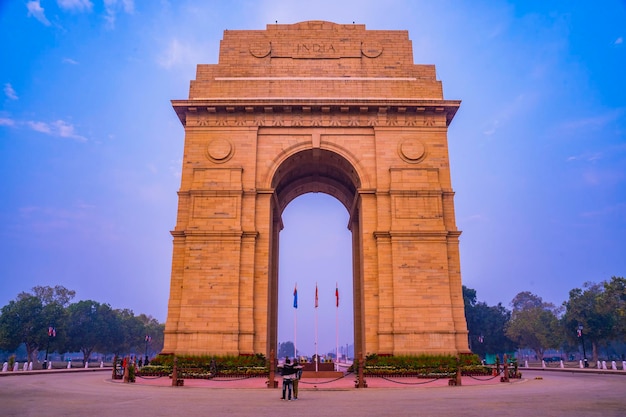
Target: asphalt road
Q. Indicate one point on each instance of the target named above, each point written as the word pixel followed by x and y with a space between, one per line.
pixel 93 394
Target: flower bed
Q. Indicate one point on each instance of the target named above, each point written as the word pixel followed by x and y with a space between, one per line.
pixel 423 366
pixel 207 367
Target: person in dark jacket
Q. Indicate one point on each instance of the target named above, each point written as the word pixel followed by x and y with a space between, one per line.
pixel 288 372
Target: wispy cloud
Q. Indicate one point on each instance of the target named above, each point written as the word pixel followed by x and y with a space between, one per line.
pixel 592 122
pixel 604 177
pixel 111 8
pixel 175 168
pixel 10 92
pixel 5 121
pixel 176 54
pixel 510 111
pixel 80 221
pixel 39 127
pixel 76 5
pixel 58 128
pixel 619 41
pixel 70 61
pixel 35 10
pixel 587 156
pixel 606 211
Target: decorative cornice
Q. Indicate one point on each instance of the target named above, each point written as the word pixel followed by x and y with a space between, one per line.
pixel 312 112
pixel 245 234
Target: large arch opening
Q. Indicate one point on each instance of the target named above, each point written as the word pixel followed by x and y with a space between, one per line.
pixel 306 172
pixel 315 250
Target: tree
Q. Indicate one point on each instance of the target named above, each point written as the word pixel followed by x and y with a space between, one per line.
pixel 486 325
pixel 155 331
pixel 132 336
pixel 614 303
pixel 285 350
pixel 30 318
pixel 534 323
pixel 587 308
pixel 94 326
pixel 48 295
pixel 22 322
pixel 526 300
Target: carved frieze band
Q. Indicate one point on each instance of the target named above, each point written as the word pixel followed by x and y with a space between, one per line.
pixel 313 120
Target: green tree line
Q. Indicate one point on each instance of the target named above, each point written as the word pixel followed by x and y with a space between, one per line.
pixel 594 315
pixel 46 319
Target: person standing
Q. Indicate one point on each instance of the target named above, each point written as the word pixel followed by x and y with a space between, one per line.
pixel 296 379
pixel 287 372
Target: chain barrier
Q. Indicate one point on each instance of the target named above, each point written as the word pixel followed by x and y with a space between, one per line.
pixel 487 379
pixel 408 383
pixel 149 376
pixel 181 375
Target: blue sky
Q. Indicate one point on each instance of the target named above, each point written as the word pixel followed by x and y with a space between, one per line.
pixel 91 150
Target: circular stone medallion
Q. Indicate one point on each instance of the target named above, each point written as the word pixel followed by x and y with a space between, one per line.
pixel 261 49
pixel 220 150
pixel 412 150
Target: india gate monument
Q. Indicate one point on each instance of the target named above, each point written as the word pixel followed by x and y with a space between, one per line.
pixel 316 107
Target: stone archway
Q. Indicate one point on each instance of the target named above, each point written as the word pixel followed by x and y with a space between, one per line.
pixel 319 171
pixel 316 106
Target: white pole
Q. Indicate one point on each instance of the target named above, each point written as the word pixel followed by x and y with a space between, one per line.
pixel 295 321
pixel 336 327
pixel 317 359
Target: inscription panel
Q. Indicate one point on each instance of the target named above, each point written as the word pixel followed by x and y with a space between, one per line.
pixel 315 48
pixel 217 179
pixel 405 179
pixel 215 207
pixel 417 207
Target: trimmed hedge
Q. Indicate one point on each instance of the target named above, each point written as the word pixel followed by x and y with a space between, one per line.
pixel 207 366
pixel 423 365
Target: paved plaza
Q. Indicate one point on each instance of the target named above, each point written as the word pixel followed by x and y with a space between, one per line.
pixel 95 394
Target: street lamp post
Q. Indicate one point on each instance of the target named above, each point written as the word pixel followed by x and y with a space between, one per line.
pixel 51 333
pixel 148 339
pixel 582 341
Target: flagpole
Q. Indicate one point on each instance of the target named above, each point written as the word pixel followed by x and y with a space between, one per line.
pixel 337 327
pixel 317 358
pixel 295 321
pixel 295 333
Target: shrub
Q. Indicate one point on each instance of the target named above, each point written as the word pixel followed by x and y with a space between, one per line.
pixel 208 366
pixel 420 365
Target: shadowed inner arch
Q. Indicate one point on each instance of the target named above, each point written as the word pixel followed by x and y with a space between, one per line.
pixel 315 171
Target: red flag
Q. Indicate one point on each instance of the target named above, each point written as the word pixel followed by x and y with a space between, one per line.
pixel 315 295
pixel 337 294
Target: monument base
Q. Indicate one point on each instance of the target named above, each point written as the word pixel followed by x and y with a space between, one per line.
pixel 321 374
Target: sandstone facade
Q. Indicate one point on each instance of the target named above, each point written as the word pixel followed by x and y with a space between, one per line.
pixel 316 107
